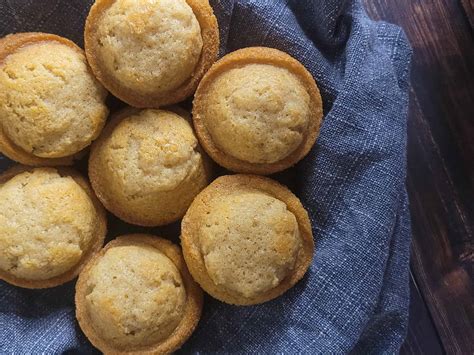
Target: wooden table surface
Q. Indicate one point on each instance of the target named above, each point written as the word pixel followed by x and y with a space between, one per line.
pixel 440 170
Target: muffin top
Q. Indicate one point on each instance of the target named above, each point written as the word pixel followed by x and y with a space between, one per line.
pixel 149 46
pixel 146 166
pixel 151 53
pixel 149 151
pixel 136 296
pixel 246 239
pixel 258 113
pixel 47 224
pixel 249 241
pixel 257 110
pixel 50 104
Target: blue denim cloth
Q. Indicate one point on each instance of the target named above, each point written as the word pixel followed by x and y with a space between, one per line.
pixel 355 296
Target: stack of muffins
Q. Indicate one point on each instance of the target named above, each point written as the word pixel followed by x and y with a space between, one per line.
pixel 245 239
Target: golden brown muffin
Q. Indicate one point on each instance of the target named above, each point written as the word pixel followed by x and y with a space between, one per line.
pixel 257 110
pixel 136 296
pixel 147 167
pixel 51 106
pixel 151 53
pixel 246 239
pixel 51 224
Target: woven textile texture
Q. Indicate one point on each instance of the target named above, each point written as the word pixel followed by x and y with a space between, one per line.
pixel 355 296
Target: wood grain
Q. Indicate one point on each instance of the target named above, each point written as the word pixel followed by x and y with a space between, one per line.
pixel 422 336
pixel 468 6
pixel 441 159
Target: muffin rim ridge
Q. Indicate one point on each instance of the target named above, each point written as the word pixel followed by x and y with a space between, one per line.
pixel 204 14
pixel 97 241
pixel 8 45
pixel 191 246
pixel 239 59
pixel 193 306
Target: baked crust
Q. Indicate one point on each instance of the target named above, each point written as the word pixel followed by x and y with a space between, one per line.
pixel 210 36
pixel 8 45
pixel 257 55
pixel 192 312
pixel 98 241
pixel 96 170
pixel 223 186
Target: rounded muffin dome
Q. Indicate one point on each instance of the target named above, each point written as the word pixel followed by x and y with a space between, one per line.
pixel 256 235
pixel 258 113
pixel 151 53
pixel 149 46
pixel 136 296
pixel 257 110
pixel 246 239
pixel 50 104
pixel 128 304
pixel 50 223
pixel 147 166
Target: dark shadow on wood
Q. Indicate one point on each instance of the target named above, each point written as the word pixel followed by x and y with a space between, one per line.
pixel 422 337
pixel 440 163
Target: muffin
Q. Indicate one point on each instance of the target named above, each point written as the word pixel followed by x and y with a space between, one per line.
pixel 51 106
pixel 147 167
pixel 257 110
pixel 151 53
pixel 246 239
pixel 136 296
pixel 51 224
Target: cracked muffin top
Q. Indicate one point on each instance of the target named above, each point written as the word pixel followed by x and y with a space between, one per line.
pixel 149 52
pixel 257 110
pixel 137 295
pixel 246 239
pixel 49 224
pixel 51 106
pixel 147 167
